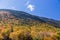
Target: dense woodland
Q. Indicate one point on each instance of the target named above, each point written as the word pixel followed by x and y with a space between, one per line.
pixel 14 30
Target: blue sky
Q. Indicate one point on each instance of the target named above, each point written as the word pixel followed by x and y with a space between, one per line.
pixel 44 8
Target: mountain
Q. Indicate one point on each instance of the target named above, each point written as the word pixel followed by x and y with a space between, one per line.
pixel 25 18
pixel 19 25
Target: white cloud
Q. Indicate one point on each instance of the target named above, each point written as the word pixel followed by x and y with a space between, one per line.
pixel 27 2
pixel 31 7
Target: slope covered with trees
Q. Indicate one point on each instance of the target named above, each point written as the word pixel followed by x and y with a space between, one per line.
pixel 18 25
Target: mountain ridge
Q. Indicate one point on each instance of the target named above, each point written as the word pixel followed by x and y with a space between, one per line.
pixel 27 16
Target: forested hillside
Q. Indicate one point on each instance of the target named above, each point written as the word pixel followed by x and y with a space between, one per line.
pixel 19 25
